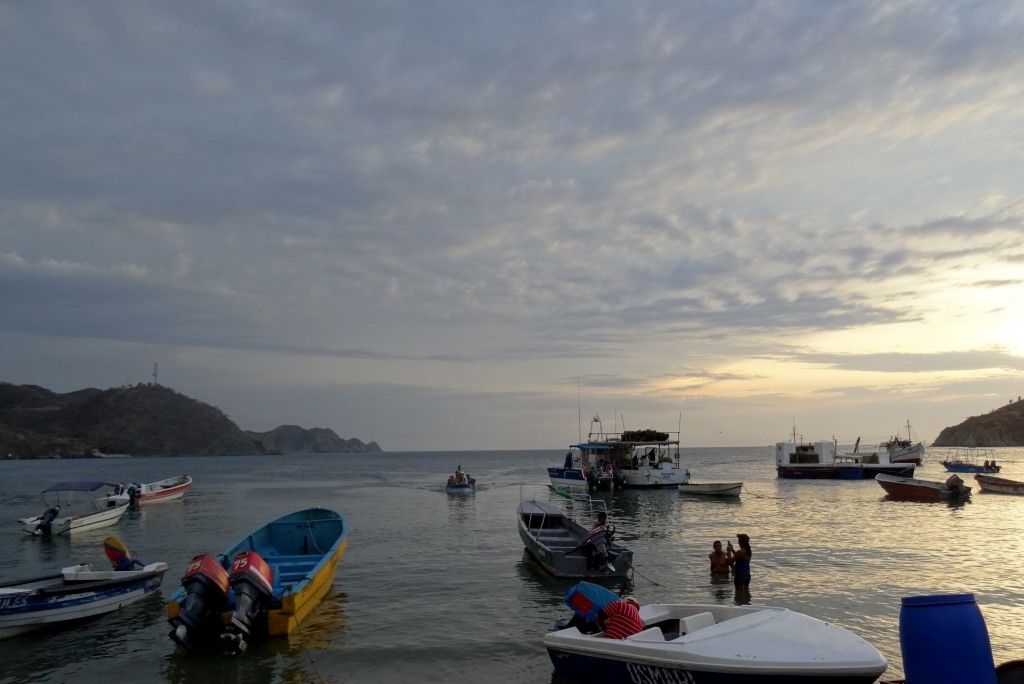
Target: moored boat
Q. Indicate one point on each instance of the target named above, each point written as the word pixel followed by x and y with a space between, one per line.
pixel 970 460
pixel 264 584
pixel 556 539
pixel 73 507
pixel 998 485
pixel 712 488
pixel 170 489
pixel 822 460
pixel 900 450
pixel 910 489
pixel 717 643
pixel 639 459
pixel 75 593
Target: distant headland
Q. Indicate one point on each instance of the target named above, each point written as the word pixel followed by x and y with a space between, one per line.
pixel 1002 427
pixel 141 420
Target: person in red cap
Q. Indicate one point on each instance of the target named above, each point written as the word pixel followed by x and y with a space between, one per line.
pixel 620 618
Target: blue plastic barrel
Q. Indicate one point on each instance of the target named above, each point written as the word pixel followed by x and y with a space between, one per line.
pixel 944 641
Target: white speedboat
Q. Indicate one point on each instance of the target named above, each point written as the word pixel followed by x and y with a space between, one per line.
pixel 74 507
pixel 716 643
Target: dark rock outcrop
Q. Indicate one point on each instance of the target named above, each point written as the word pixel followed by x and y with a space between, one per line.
pixel 292 439
pixel 1003 427
pixel 142 420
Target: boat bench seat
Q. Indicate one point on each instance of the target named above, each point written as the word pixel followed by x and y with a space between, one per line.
pixel 649 634
pixel 692 623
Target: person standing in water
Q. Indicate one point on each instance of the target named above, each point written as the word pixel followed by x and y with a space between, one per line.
pixel 739 560
pixel 719 560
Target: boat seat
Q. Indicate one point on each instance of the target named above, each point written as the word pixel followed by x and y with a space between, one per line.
pixel 692 623
pixel 649 634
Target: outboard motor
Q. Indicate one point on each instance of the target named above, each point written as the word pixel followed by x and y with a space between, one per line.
pixel 253 584
pixel 206 595
pixel 133 493
pixel 956 485
pixel 46 521
pixel 597 548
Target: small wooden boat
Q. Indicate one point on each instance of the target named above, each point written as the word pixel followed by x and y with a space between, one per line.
pixel 908 488
pixel 73 507
pixel 75 593
pixel 717 643
pixel 460 488
pixel 970 460
pixel 999 485
pixel 566 548
pixel 712 488
pixel 263 585
pixel 171 489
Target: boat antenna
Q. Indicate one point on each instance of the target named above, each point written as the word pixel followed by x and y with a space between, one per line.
pixel 579 413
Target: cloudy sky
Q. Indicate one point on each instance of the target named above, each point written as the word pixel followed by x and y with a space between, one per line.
pixel 468 225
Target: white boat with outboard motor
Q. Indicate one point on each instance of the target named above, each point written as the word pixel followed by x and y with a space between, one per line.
pixel 170 489
pixel 695 643
pixel 73 507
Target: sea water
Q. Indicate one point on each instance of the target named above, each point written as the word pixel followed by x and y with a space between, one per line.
pixel 436 586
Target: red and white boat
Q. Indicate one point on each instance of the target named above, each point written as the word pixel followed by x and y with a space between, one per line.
pixel 155 492
pixel 910 489
pixel 999 485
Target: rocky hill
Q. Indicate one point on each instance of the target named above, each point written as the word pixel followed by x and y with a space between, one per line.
pixel 145 419
pixel 292 439
pixel 1001 427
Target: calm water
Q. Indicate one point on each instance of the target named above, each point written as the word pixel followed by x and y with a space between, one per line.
pixel 437 585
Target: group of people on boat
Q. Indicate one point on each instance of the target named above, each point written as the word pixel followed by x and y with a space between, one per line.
pixel 460 478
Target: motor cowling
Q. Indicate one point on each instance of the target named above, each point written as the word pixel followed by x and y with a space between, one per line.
pixel 206 595
pixel 253 583
pixel 955 484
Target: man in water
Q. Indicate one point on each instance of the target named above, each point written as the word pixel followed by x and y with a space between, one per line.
pixel 719 561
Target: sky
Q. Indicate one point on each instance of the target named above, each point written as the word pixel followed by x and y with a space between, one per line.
pixel 478 225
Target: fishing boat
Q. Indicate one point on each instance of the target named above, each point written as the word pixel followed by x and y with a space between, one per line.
pixel 910 489
pixel 171 489
pixel 460 487
pixel 712 488
pixel 970 460
pixel 821 460
pixel 998 485
pixel 555 537
pixel 73 507
pixel 263 585
pixel 639 459
pixel 696 643
pixel 76 592
pixel 900 450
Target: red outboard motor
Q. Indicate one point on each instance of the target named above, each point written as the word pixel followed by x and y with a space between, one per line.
pixel 206 595
pixel 253 583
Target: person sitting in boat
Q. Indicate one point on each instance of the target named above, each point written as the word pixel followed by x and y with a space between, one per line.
pixel 719 560
pixel 620 618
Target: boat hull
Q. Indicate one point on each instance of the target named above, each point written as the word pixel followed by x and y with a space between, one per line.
pixel 460 488
pixel 714 644
pixel 170 489
pixel 806 472
pixel 35 604
pixel 712 488
pixel 999 485
pixel 303 550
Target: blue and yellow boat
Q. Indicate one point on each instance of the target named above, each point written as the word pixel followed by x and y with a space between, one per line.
pixel 263 585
